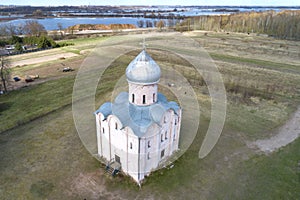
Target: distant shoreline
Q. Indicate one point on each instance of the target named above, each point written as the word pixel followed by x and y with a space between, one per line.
pixel 5 19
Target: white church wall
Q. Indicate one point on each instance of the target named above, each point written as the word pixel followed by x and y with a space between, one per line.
pixel 117 138
pixel 133 158
pixel 177 138
pixel 129 160
pixel 164 135
pixel 170 129
pixel 104 131
pixel 149 146
pixel 142 158
pixel 106 148
pixel 173 133
pixel 99 149
pixel 132 163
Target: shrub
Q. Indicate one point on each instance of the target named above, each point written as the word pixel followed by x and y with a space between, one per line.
pixel 64 44
pixel 46 42
pixel 18 47
pixel 3 43
pixel 31 40
pixel 16 39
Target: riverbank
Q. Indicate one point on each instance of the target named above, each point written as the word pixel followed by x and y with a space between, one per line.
pixel 58 23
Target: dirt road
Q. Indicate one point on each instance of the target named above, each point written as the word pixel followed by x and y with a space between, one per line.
pixel 286 134
pixel 42 59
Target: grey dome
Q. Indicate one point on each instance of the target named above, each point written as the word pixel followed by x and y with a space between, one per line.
pixel 143 69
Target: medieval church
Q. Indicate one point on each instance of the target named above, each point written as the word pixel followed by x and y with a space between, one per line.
pixel 140 130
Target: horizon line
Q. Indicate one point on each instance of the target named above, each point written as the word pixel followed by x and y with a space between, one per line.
pixel 152 5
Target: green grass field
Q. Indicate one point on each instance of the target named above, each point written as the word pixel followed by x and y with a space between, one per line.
pixel 21 106
pixel 259 63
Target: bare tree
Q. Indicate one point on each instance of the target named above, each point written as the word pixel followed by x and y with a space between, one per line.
pixel 149 24
pixel 140 23
pixel 60 28
pixel 171 23
pixel 34 28
pixel 3 31
pixel 11 29
pixel 160 24
pixel 4 73
pixel 19 29
pixel 38 13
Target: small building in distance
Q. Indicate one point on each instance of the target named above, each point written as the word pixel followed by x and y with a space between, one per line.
pixel 140 130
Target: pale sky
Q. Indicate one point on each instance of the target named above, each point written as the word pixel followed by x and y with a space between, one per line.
pixel 153 2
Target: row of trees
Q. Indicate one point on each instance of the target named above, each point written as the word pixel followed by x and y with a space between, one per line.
pixel 284 24
pixel 41 42
pixel 31 27
pixel 159 24
pixel 36 36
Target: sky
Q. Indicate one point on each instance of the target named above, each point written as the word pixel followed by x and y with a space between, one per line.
pixel 153 2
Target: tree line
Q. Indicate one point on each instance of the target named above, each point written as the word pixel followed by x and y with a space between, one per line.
pixel 170 23
pixel 33 37
pixel 284 24
pixel 30 27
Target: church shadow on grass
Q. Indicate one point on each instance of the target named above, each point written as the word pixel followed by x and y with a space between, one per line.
pixel 5 106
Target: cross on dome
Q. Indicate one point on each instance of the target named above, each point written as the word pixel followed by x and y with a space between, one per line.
pixel 144 45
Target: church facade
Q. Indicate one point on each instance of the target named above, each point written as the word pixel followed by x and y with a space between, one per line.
pixel 140 130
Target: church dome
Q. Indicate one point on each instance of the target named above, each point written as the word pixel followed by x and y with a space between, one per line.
pixel 143 69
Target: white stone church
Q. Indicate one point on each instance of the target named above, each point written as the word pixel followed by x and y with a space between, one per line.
pixel 139 131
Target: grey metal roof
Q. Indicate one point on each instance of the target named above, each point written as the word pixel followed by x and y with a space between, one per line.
pixel 105 109
pixel 143 69
pixel 138 118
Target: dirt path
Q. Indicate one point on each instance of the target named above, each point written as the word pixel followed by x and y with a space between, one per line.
pixel 286 134
pixel 42 59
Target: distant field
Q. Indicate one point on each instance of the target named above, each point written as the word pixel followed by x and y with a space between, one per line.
pixel 43 158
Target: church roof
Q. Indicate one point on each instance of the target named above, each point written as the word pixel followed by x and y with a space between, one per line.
pixel 143 69
pixel 138 118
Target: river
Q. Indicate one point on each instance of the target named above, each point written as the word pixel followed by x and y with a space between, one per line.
pixel 52 23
